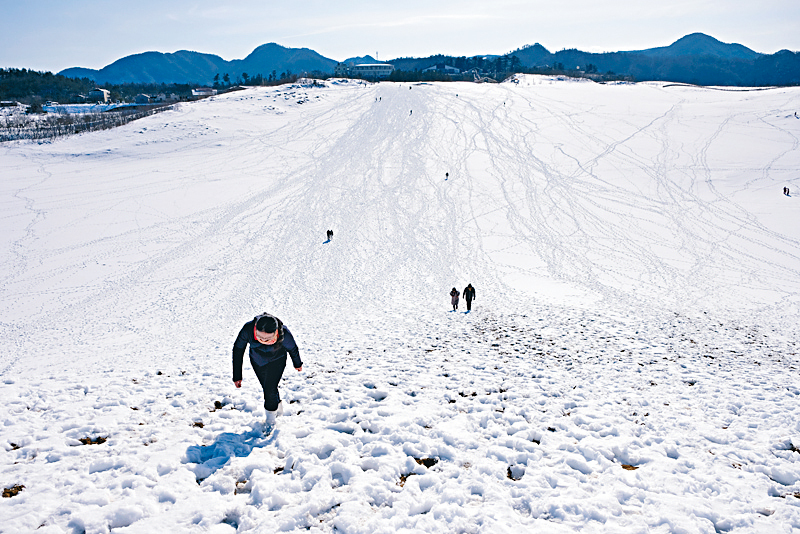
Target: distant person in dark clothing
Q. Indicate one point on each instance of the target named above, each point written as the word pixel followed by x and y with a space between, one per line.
pixel 270 341
pixel 454 298
pixel 469 296
pixel 330 235
pixel 786 191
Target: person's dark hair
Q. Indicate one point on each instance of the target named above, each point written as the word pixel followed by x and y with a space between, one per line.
pixel 267 324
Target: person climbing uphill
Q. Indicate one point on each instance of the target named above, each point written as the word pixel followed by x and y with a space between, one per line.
pixel 469 296
pixel 270 341
pixel 454 298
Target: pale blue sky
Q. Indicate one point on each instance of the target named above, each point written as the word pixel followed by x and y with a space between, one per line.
pixel 56 34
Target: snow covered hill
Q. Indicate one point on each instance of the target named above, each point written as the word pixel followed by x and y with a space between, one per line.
pixel 630 363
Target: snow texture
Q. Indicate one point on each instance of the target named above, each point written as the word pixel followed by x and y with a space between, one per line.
pixel 630 363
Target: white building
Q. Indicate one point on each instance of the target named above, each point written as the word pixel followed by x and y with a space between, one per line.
pixel 342 69
pixel 162 97
pixel 204 91
pixel 99 95
pixel 372 70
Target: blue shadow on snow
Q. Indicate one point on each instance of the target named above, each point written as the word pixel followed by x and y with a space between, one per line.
pixel 209 458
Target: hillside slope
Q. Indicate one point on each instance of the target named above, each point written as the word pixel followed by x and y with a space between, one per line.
pixel 630 363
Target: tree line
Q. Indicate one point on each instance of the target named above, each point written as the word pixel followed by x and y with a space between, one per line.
pixel 272 78
pixel 35 88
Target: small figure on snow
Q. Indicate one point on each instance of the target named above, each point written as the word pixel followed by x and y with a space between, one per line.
pixel 469 296
pixel 330 235
pixel 454 298
pixel 786 191
pixel 270 341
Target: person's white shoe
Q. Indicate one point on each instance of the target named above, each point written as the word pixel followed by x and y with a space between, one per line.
pixel 269 423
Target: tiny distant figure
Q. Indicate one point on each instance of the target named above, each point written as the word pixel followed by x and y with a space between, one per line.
pixel 469 296
pixel 786 191
pixel 454 298
pixel 330 235
pixel 446 176
pixel 411 112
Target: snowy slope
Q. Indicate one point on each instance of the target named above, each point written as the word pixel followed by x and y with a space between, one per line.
pixel 638 289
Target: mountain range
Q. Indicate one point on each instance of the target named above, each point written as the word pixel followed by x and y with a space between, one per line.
pixel 696 58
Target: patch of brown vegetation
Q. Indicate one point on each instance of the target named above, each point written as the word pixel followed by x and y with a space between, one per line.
pixel 511 476
pixel 96 441
pixel 12 491
pixel 427 462
pixel 628 467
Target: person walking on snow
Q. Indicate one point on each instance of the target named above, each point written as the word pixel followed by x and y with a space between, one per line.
pixel 270 341
pixel 469 296
pixel 454 298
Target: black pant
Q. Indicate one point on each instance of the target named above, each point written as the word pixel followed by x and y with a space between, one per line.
pixel 469 304
pixel 270 376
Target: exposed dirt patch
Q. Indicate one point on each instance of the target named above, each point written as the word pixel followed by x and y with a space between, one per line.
pixel 427 462
pixel 96 441
pixel 12 491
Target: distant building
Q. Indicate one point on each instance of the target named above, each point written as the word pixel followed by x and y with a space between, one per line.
pixel 142 99
pixel 371 70
pixel 172 97
pixel 204 91
pixel 441 67
pixel 342 69
pixel 99 95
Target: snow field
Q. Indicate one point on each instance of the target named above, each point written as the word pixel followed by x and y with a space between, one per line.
pixel 630 363
pixel 525 429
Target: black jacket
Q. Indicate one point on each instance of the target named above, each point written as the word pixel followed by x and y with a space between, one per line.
pixel 261 354
pixel 469 293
